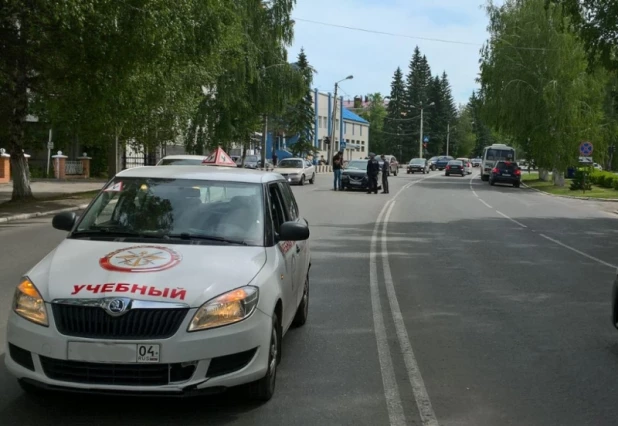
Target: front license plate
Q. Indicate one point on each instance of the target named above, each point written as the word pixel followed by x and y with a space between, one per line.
pixel 114 352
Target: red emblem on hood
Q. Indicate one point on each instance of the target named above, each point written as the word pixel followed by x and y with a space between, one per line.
pixel 140 259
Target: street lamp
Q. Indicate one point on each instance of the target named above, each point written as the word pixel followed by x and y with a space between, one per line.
pixel 420 148
pixel 334 120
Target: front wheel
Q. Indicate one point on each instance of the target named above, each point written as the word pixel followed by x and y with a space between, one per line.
pixel 312 180
pixel 264 389
pixel 302 180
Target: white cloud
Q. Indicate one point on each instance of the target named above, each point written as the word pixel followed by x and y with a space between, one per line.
pixel 373 58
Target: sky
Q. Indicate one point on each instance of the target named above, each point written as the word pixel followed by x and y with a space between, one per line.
pixel 373 58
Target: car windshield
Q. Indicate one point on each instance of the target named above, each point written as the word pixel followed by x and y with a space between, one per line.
pixel 290 164
pixel 500 154
pixel 357 165
pixel 417 161
pixel 181 161
pixel 177 208
pixel 251 159
pixel 455 163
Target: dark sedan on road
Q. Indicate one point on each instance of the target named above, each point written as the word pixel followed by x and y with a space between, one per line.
pixel 455 167
pixel 354 176
pixel 418 165
pixel 505 172
pixel 443 161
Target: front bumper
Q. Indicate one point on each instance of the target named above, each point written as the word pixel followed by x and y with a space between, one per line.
pixel 348 182
pixel 416 169
pixel 292 178
pixel 190 363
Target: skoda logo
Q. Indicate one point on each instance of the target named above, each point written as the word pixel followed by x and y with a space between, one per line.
pixel 117 307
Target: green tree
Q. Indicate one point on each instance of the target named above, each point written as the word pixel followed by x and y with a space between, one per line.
pixel 375 113
pixel 534 83
pixel 393 137
pixel 417 95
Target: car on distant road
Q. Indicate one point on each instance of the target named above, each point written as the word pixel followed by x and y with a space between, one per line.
pixel 182 160
pixel 442 161
pixel 455 167
pixel 505 172
pixel 354 176
pixel 175 281
pixel 476 162
pixel 393 163
pixel 432 163
pixel 296 170
pixel 419 165
pixel 467 165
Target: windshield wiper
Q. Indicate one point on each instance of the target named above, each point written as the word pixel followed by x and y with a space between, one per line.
pixel 112 232
pixel 188 236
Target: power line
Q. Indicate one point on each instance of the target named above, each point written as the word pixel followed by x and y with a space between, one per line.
pixel 438 40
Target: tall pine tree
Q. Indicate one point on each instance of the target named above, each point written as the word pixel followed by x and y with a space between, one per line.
pixel 394 129
pixel 417 96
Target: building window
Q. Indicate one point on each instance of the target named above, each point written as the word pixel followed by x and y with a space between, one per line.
pixel 363 148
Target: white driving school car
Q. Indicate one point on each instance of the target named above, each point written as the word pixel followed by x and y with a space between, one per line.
pixel 176 280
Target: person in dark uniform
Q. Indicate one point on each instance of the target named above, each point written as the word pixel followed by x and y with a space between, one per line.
pixel 373 169
pixel 386 168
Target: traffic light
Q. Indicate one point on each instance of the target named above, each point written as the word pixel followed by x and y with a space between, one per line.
pixel 326 140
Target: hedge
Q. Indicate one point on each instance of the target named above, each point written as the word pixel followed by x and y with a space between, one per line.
pixel 604 179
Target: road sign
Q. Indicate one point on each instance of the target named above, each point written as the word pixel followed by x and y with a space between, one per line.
pixel 342 145
pixel 426 139
pixel 586 149
pixel 50 145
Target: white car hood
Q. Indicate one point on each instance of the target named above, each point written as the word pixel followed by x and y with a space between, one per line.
pixel 190 274
pixel 287 170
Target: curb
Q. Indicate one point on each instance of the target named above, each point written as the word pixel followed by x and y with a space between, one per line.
pixel 25 216
pixel 607 200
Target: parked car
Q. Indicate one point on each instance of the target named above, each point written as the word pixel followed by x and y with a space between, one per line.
pixel 432 163
pixel 442 161
pixel 505 172
pixel 467 165
pixel 394 164
pixel 418 165
pixel 296 170
pixel 354 176
pixel 251 162
pixel 182 160
pixel 202 294
pixel 455 167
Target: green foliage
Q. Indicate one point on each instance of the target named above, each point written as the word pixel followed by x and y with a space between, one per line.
pixel 392 136
pixel 535 87
pixel 581 181
pixel 302 149
pixel 375 114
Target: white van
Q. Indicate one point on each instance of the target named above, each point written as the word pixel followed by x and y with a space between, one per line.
pixel 492 154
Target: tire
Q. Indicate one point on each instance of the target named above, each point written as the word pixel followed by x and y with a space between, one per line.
pixel 302 180
pixel 264 389
pixel 492 183
pixel 446 174
pixel 312 180
pixel 303 308
pixel 516 184
pixel 484 178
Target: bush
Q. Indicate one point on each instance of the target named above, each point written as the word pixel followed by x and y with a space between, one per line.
pixel 581 181
pixel 616 184
pixel 603 179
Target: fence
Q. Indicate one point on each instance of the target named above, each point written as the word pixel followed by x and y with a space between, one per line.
pixel 73 168
pixel 130 161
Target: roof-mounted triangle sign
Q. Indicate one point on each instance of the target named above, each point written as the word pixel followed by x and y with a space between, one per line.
pixel 219 158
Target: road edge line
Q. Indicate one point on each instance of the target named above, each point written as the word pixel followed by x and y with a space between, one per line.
pixel 25 216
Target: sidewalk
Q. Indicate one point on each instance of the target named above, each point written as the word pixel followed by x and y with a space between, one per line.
pixel 51 197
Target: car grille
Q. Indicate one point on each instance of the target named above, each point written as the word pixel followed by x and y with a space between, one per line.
pixel 137 324
pixel 116 374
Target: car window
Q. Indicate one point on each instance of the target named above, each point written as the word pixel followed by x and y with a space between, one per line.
pixel 170 207
pixel 290 164
pixel 500 154
pixel 277 206
pixel 180 162
pixel 289 200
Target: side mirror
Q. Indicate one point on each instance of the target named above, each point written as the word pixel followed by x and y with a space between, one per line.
pixel 64 221
pixel 293 231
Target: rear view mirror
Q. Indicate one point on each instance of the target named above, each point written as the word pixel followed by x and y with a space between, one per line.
pixel 64 221
pixel 293 231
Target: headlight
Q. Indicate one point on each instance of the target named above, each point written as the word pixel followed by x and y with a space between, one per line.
pixel 229 308
pixel 28 303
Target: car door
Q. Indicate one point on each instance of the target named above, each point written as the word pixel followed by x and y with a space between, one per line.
pixel 300 248
pixel 287 255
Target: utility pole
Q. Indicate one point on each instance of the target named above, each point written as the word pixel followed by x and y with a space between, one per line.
pixel 264 136
pixel 448 136
pixel 420 139
pixel 331 147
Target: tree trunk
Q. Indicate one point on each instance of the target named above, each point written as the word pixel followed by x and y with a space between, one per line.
pixel 112 155
pixel 244 154
pixel 19 111
pixel 544 175
pixel 558 178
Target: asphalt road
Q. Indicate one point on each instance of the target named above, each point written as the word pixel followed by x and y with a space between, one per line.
pixel 445 302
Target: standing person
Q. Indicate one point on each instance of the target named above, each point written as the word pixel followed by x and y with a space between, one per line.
pixel 373 169
pixel 386 168
pixel 337 165
pixel 275 158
